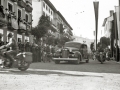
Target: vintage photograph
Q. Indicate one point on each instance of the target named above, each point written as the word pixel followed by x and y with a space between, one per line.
pixel 59 44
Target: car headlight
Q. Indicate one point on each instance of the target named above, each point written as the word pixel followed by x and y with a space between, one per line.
pixel 59 50
pixel 70 50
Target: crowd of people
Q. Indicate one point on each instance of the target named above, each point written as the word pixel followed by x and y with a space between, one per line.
pixel 109 54
pixel 39 52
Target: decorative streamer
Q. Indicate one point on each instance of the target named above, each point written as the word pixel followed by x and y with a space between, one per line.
pixel 96 5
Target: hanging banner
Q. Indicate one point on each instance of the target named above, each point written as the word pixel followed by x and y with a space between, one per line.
pixel 117 10
pixel 96 5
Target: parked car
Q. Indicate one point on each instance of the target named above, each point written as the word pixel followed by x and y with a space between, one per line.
pixel 72 52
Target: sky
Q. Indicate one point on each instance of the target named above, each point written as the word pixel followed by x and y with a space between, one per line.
pixel 80 15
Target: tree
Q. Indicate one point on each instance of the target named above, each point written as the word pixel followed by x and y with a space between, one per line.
pixel 42 28
pixel 62 40
pixel 98 45
pixel 61 29
pixel 105 41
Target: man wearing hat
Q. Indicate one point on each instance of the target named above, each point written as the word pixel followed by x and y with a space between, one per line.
pixel 11 44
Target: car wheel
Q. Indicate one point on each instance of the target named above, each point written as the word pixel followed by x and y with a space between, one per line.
pixel 78 60
pixel 57 62
pixel 87 61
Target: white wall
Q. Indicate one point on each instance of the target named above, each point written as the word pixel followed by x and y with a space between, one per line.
pixel 37 12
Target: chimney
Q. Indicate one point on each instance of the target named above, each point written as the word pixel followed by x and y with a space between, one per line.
pixel 111 12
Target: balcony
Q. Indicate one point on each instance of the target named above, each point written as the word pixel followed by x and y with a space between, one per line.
pixel 21 3
pixel 14 0
pixel 12 24
pixel 28 28
pixel 22 27
pixel 3 20
pixel 28 6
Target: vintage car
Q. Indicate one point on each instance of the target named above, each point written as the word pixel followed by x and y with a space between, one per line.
pixel 72 52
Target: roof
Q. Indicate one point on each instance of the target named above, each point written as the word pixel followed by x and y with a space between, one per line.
pixel 64 19
pixel 50 5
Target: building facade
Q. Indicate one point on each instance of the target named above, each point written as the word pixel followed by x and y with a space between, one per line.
pixel 16 17
pixel 46 8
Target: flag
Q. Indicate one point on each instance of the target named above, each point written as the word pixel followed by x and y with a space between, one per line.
pixel 115 26
pixel 96 5
pixel 117 8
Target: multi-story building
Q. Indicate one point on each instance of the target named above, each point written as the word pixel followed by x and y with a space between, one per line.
pixel 107 24
pixel 16 17
pixel 45 7
pixel 61 23
pixel 42 7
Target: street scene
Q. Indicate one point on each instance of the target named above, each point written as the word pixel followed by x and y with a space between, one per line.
pixel 59 44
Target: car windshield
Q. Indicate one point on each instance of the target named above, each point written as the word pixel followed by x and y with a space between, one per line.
pixel 73 44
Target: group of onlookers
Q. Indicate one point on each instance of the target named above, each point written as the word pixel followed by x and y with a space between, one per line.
pixel 109 55
pixel 40 52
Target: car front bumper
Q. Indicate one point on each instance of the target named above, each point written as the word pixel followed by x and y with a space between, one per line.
pixel 64 59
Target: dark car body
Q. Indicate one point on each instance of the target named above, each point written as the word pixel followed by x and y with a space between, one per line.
pixel 71 52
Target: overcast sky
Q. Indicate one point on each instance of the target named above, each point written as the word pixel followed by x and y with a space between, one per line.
pixel 80 14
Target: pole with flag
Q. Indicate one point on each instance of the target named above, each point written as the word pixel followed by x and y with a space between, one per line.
pixel 96 5
pixel 116 34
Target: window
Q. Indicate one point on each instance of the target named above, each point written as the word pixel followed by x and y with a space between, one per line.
pixel 10 7
pixel 19 13
pixel 44 5
pixel 19 39
pixel 51 12
pixel 26 17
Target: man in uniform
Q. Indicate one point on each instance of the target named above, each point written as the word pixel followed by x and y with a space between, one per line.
pixel 12 44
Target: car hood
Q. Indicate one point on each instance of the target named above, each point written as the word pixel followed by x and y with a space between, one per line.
pixel 71 48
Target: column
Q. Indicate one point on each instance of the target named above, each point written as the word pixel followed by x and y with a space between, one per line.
pixel 31 39
pixel 15 34
pixel 23 37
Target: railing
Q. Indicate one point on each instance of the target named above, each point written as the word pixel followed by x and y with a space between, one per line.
pixel 22 26
pixel 28 6
pixel 21 3
pixel 12 24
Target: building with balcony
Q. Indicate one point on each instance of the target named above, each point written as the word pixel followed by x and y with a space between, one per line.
pixel 46 8
pixel 111 29
pixel 16 17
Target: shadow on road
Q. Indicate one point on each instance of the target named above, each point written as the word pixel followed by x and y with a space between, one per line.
pixel 42 72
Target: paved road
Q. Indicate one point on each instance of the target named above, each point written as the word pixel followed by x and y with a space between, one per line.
pixel 64 76
pixel 92 66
